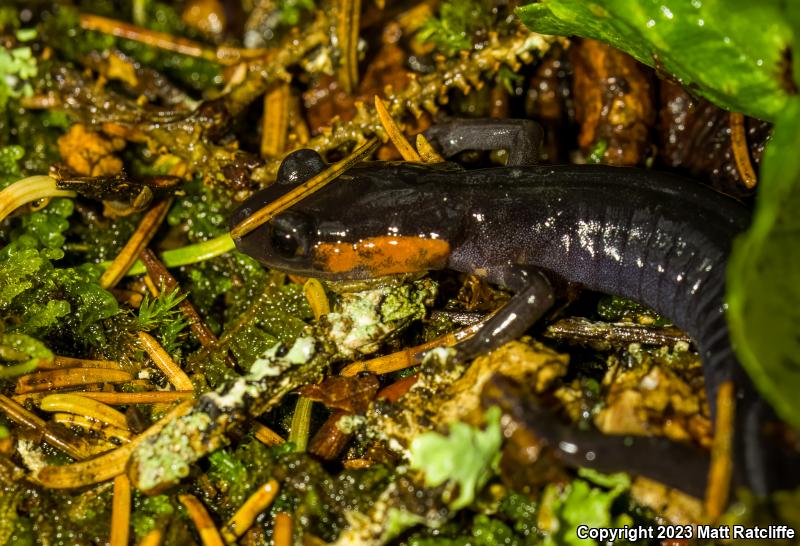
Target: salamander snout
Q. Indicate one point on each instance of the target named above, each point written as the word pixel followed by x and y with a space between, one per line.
pixel 285 242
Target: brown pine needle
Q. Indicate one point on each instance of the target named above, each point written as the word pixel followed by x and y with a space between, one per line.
pixel 266 435
pixel 226 56
pixel 81 405
pixel 23 417
pixel 348 15
pixel 721 469
pixel 160 276
pixel 28 190
pixel 106 431
pixel 394 391
pixel 358 463
pixel 95 470
pixel 282 530
pixel 405 358
pixel 121 512
pixel 302 191
pixel 160 40
pixel 317 299
pixel 427 151
pixel 395 134
pixel 244 517
pixel 151 286
pixel 141 237
pixel 275 122
pixel 301 423
pixel 741 151
pixel 153 538
pixel 68 377
pixel 69 362
pixel 300 133
pixel 174 373
pixel 209 535
pixel 147 397
pixel 108 465
pixel 118 398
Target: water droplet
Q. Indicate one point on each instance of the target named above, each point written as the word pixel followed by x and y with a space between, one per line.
pixel 651 23
pixel 700 22
pixel 666 11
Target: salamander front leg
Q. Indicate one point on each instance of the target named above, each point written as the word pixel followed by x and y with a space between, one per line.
pixel 533 297
pixel 521 137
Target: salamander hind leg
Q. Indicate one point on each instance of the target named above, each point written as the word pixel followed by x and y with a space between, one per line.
pixel 522 138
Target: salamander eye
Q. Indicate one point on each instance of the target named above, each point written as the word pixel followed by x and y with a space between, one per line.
pixel 284 243
pixel 290 235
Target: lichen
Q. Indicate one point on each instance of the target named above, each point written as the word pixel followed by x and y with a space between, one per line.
pixel 367 318
pixel 166 459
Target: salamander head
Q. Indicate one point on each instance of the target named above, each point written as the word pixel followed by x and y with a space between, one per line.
pixel 367 224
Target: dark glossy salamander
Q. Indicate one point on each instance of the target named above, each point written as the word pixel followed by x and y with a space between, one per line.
pixel 654 237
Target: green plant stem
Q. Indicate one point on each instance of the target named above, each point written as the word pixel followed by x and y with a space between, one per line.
pixel 189 254
pixel 19 369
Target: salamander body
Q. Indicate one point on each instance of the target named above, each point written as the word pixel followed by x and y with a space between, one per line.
pixel 653 237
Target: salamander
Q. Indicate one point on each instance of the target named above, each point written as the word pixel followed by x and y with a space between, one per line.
pixel 650 236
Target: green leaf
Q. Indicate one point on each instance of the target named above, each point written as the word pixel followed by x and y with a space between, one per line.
pixel 736 53
pixel 466 457
pixel 763 274
pixel 618 482
pixel 711 47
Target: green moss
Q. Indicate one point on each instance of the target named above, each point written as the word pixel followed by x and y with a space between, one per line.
pixel 457 22
pixel 37 132
pixel 102 240
pixel 10 164
pixel 242 303
pixel 203 212
pixel 162 316
pixel 17 67
pixel 62 32
pixel 514 524
pixel 616 309
pixel 9 18
pixel 39 299
pixel 149 512
pixel 9 499
pixel 521 513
